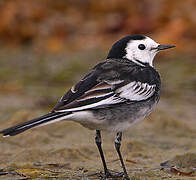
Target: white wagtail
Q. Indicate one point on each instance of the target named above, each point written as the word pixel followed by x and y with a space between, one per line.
pixel 114 95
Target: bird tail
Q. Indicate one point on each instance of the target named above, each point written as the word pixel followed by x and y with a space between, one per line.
pixel 40 121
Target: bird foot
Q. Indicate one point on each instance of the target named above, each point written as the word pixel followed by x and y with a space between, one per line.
pixel 112 175
pixel 126 177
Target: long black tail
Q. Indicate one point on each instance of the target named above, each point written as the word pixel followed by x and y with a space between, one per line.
pixel 40 121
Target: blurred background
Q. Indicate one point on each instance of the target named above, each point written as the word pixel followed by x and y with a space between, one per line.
pixel 46 46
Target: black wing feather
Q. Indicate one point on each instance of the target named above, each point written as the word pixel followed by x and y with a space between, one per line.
pixel 103 73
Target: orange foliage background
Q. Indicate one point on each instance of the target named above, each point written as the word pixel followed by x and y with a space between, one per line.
pixel 62 25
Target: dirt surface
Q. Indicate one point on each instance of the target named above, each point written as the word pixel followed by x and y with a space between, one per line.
pixel 30 86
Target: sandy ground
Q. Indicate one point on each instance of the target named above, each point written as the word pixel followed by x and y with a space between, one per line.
pixel 66 150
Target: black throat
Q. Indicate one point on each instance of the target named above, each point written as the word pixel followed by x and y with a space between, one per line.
pixel 142 63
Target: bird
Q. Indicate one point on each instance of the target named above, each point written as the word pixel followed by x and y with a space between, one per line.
pixel 117 92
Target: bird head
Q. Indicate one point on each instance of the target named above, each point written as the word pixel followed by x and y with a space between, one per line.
pixel 138 48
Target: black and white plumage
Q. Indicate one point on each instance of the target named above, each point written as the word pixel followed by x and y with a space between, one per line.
pixel 114 95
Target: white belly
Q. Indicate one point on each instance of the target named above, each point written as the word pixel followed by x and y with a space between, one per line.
pixel 88 120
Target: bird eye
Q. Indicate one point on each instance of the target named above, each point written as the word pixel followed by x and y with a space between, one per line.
pixel 141 46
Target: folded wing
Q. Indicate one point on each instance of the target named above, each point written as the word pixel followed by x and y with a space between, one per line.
pixel 103 87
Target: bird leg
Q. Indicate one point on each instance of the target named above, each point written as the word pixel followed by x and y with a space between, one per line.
pixel 117 146
pixel 98 143
pixel 107 173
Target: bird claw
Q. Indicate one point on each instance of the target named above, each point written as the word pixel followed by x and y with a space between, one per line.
pixel 126 178
pixel 110 174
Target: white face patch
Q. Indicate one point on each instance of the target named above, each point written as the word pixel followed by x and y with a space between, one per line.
pixel 143 55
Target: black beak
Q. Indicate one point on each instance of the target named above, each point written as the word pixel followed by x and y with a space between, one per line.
pixel 163 47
